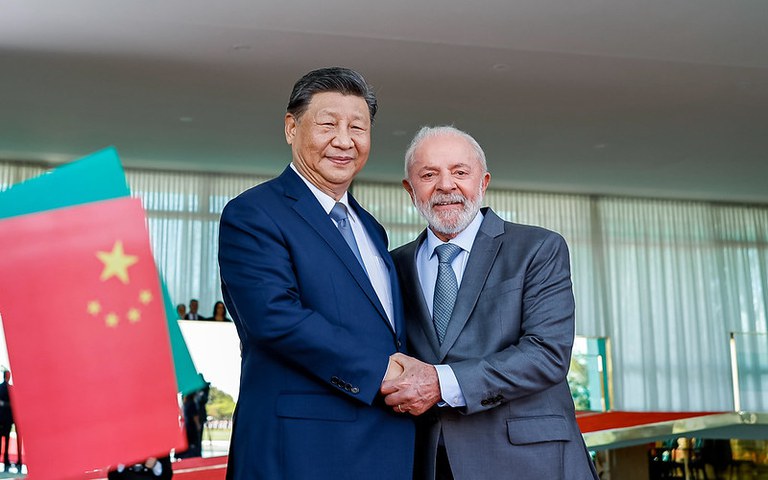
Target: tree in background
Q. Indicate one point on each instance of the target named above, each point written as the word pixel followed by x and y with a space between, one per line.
pixel 221 405
pixel 578 381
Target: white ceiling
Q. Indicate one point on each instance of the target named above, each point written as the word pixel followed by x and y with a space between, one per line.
pixel 631 97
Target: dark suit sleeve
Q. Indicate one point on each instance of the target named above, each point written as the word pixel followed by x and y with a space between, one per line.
pixel 540 358
pixel 262 289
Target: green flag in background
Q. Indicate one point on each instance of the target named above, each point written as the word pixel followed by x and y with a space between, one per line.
pixel 187 378
pixel 95 178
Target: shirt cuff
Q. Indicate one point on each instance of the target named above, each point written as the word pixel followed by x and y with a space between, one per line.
pixel 450 391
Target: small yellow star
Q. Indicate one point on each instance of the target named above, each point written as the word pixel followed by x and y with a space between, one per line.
pixel 145 296
pixel 94 307
pixel 134 315
pixel 116 263
pixel 111 319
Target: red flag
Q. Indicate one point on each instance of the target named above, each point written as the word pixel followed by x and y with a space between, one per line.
pixel 87 339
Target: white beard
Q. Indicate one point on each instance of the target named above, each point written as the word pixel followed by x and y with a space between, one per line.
pixel 450 223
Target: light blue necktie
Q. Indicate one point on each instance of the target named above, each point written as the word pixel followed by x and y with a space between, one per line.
pixel 446 288
pixel 339 214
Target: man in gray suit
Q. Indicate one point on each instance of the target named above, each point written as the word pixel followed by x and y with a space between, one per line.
pixel 490 316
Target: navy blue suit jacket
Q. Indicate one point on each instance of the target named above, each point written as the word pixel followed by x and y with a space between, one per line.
pixel 315 342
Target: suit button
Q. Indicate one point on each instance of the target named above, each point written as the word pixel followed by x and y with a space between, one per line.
pixel 399 344
pixel 484 402
pixel 348 387
pixel 355 390
pixel 335 380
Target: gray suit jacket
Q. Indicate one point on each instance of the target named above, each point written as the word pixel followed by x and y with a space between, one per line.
pixel 509 343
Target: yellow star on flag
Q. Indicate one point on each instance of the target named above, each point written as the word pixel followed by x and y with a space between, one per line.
pixel 116 263
pixel 145 296
pixel 111 319
pixel 134 315
pixel 94 307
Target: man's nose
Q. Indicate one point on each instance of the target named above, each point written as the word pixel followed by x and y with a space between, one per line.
pixel 342 139
pixel 445 183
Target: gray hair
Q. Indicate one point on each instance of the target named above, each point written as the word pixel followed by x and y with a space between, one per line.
pixel 333 79
pixel 440 130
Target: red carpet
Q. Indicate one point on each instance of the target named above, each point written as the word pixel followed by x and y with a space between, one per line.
pixel 212 468
pixel 596 421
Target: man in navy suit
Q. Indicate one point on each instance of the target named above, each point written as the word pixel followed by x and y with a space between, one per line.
pixel 314 296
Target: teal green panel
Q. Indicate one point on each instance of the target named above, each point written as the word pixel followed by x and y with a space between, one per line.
pixel 98 176
pixel 187 378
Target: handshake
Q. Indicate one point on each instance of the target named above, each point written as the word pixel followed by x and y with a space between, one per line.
pixel 410 385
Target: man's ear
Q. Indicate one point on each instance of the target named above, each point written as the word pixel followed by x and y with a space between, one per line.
pixel 290 128
pixel 486 181
pixel 408 188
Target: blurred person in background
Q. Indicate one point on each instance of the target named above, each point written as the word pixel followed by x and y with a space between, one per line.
pixel 192 426
pixel 192 315
pixel 220 313
pixel 6 419
pixel 201 399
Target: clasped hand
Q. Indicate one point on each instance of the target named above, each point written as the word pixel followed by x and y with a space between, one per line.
pixel 410 385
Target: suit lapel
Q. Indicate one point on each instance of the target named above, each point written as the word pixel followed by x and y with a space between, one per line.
pixel 311 211
pixel 484 250
pixel 413 285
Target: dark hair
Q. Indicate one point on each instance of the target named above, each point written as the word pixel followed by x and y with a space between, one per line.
pixel 216 305
pixel 331 79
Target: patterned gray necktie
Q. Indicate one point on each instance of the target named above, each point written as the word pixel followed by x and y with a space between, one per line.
pixel 339 214
pixel 446 288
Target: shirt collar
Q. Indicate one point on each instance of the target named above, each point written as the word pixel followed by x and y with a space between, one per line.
pixel 464 239
pixel 326 201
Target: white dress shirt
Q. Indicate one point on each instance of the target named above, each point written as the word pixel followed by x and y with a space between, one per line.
pixel 426 265
pixel 375 267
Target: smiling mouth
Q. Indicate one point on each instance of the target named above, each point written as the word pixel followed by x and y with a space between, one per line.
pixel 448 202
pixel 454 203
pixel 339 158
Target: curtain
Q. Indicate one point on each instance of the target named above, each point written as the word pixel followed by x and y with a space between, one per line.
pixel 15 172
pixel 677 278
pixel 183 211
pixel 666 281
